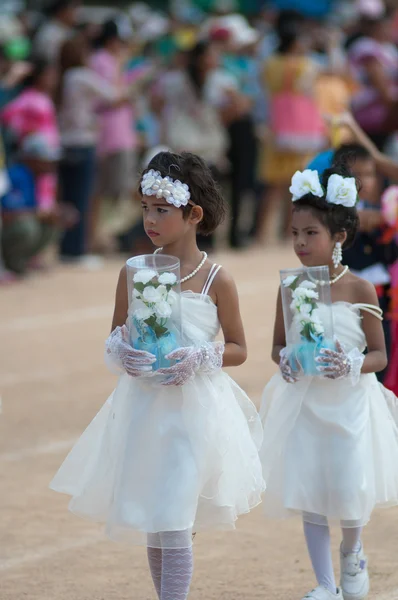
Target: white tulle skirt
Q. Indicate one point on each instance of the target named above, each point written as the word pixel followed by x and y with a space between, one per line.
pixel 158 459
pixel 330 450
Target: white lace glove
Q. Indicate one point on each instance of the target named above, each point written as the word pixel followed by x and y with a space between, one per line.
pixel 206 358
pixel 120 354
pixel 285 368
pixel 340 364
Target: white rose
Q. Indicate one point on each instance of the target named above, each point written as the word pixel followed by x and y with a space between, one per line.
pixel 342 190
pixel 298 293
pixel 301 320
pixel 167 278
pixel 306 182
pixel 311 294
pixel 287 282
pixel 305 310
pixel 144 276
pixel 152 295
pixel 163 309
pixel 309 285
pixel 162 289
pixel 144 313
pixel 318 328
pixel 302 293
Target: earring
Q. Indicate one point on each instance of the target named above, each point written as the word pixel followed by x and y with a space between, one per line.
pixel 337 255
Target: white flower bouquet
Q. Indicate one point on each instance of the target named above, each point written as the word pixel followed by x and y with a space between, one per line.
pixel 154 305
pixel 307 316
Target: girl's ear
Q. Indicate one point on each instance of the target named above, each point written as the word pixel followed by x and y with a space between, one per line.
pixel 196 215
pixel 340 237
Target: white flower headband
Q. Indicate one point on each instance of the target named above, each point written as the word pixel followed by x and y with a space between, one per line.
pixel 173 191
pixel 340 190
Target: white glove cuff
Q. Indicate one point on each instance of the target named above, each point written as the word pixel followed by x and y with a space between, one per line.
pixel 355 359
pixel 212 357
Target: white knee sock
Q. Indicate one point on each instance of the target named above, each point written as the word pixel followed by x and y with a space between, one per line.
pixel 177 565
pixel 351 540
pixel 318 544
pixel 154 552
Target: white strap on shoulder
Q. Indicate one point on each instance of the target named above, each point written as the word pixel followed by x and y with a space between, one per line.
pixel 213 272
pixel 371 309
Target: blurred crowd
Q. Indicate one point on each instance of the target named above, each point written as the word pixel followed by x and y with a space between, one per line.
pixel 88 95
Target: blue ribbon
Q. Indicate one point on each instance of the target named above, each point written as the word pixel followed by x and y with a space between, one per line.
pixel 303 356
pixel 159 347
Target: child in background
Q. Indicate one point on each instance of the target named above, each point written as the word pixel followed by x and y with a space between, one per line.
pixel 33 111
pixel 369 257
pixel 296 126
pixel 26 231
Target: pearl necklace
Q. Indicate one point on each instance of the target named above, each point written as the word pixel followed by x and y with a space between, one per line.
pixel 333 279
pixel 200 265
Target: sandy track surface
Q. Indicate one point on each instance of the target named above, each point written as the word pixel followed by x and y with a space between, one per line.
pixel 52 382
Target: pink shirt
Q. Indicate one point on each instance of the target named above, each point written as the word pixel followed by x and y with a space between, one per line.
pixel 116 125
pixel 34 112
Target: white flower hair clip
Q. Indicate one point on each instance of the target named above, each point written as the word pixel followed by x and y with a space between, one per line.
pixel 342 190
pixel 173 191
pixel 305 182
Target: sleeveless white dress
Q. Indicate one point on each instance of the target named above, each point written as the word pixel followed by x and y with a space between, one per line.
pixel 169 459
pixel 330 449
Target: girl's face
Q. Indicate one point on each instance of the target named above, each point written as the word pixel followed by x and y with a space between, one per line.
pixel 164 224
pixel 364 170
pixel 312 241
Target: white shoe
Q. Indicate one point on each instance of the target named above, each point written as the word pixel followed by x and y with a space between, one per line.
pixel 321 593
pixel 354 578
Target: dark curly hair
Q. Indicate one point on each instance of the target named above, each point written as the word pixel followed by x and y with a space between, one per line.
pixel 205 192
pixel 335 217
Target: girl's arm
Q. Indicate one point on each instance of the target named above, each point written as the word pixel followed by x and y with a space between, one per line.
pixel 235 352
pixel 279 339
pixel 121 301
pixel 376 357
pixel 385 165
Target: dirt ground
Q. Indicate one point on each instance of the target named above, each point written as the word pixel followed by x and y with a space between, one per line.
pixel 53 381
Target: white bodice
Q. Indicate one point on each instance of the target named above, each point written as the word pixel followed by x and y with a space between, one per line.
pixel 347 323
pixel 199 318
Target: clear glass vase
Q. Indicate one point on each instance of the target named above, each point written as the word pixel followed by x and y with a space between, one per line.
pixel 153 283
pixel 308 317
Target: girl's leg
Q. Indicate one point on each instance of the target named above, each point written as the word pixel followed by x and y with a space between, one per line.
pixel 318 543
pixel 177 564
pixel 351 540
pixel 154 552
pixel 354 576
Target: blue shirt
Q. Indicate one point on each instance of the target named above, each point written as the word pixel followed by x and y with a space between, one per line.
pixel 311 8
pixel 321 162
pixel 21 196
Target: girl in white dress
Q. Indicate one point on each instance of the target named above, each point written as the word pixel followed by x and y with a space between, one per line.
pixel 330 449
pixel 160 462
